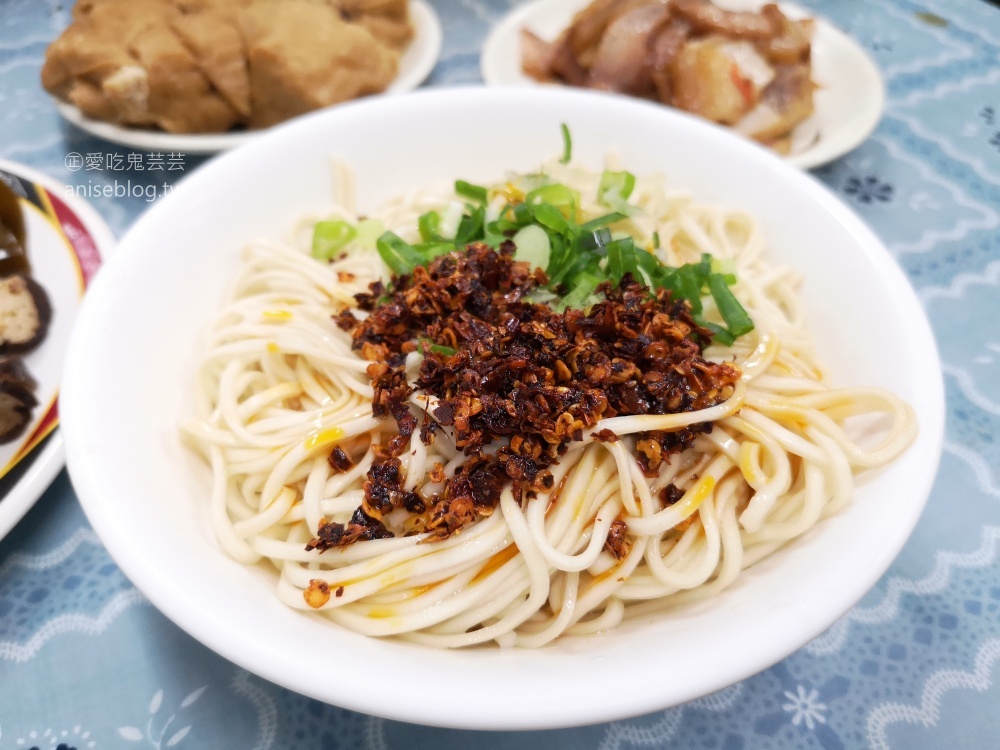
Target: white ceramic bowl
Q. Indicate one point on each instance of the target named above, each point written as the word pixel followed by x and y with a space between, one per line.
pixel 129 382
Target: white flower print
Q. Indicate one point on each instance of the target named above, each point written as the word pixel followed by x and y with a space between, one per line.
pixel 805 707
pixel 154 738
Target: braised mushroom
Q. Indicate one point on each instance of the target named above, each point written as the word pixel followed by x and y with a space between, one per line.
pixel 17 398
pixel 13 234
pixel 25 314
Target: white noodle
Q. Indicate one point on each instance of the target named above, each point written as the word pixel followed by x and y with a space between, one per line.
pixel 280 387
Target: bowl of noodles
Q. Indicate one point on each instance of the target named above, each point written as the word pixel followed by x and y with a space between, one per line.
pixel 440 406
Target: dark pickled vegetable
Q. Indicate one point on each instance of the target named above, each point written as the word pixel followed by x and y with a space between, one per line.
pixel 13 236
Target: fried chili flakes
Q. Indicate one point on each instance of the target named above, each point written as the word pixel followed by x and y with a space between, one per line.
pixel 502 368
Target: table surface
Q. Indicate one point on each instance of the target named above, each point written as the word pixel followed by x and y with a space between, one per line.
pixel 86 662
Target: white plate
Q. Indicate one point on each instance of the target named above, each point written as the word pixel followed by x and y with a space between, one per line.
pixel 849 100
pixel 67 241
pixel 147 496
pixel 414 67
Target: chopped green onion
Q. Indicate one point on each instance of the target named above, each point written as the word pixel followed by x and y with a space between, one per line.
pixel 540 296
pixel 451 215
pixel 470 227
pixel 602 221
pixel 329 237
pixel 429 225
pixel 472 192
pixel 596 241
pixel 615 187
pixel 398 255
pixel 622 260
pixel 720 335
pixel 737 320
pixel 726 267
pixel 577 265
pixel 551 217
pixel 430 250
pixel 685 283
pixel 522 215
pixel 567 153
pixel 427 345
pixel 533 245
pixel 556 195
pixel 577 258
pixel 559 256
pixel 648 263
pixel 496 207
pixel 582 291
pixel 369 230
pixel 493 239
pixel 704 267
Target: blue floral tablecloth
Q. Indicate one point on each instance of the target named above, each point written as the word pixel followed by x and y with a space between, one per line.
pixel 86 662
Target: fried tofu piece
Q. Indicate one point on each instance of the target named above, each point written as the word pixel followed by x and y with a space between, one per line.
pixel 95 46
pixel 351 9
pixel 394 33
pixel 181 99
pixel 214 38
pixel 291 74
pixel 194 7
pixel 387 20
pixel 75 56
pixel 90 64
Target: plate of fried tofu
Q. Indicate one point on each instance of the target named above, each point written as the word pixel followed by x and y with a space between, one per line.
pixel 202 76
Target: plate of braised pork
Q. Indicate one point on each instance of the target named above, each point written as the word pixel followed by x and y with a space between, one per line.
pixel 774 73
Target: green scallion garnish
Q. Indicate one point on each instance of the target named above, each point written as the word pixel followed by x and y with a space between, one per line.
pixel 615 187
pixel 329 237
pixel 737 320
pixel 567 153
pixel 576 257
pixel 400 256
pixel 429 225
pixel 427 345
pixel 473 192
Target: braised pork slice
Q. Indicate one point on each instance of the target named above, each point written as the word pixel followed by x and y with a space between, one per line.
pixel 621 62
pixel 688 54
pixel 786 102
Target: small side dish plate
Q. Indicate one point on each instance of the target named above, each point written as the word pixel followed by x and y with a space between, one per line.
pixel 849 99
pixel 414 67
pixel 67 241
